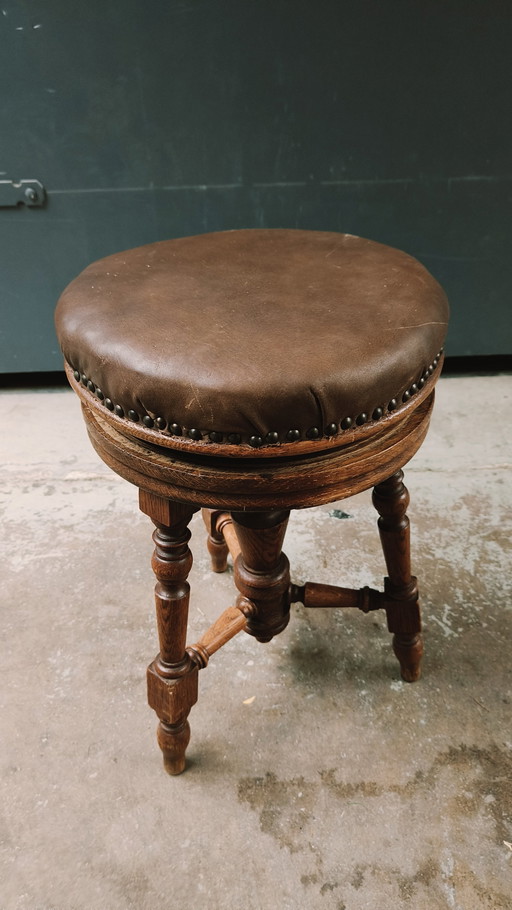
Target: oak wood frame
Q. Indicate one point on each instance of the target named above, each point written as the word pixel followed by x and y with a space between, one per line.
pixel 245 506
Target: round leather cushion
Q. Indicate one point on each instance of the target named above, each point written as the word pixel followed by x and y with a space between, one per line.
pixel 266 335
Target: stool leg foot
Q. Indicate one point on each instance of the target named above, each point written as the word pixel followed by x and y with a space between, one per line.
pixel 262 571
pixel 218 553
pixel 409 652
pixel 173 740
pixel 172 677
pixel 391 499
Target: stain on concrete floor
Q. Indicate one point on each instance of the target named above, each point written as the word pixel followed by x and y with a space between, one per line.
pixel 473 786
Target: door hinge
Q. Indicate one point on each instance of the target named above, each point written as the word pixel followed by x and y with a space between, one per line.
pixel 26 192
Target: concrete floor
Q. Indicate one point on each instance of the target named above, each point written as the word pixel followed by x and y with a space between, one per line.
pixel 317 779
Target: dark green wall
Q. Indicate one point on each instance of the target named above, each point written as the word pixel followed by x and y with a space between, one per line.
pixel 147 120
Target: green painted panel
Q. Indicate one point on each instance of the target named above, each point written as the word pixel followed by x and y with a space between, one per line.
pixel 155 120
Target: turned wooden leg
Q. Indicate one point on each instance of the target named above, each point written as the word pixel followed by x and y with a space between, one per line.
pixel 262 571
pixel 172 677
pixel 391 499
pixel 217 546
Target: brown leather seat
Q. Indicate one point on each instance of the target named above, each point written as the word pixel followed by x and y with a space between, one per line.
pixel 257 342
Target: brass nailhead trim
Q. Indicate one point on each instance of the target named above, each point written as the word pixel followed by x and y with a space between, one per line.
pixel 271 438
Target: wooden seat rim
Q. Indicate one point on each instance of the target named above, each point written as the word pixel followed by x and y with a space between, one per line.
pixel 239 485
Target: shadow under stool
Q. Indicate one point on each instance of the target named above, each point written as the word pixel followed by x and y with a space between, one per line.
pixel 248 373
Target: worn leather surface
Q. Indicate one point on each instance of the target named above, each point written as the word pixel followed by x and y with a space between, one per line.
pixel 253 331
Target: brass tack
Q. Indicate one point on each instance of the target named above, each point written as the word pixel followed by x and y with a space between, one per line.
pixel 271 438
pixel 76 375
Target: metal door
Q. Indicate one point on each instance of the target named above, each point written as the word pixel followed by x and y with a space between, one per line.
pixel 170 117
